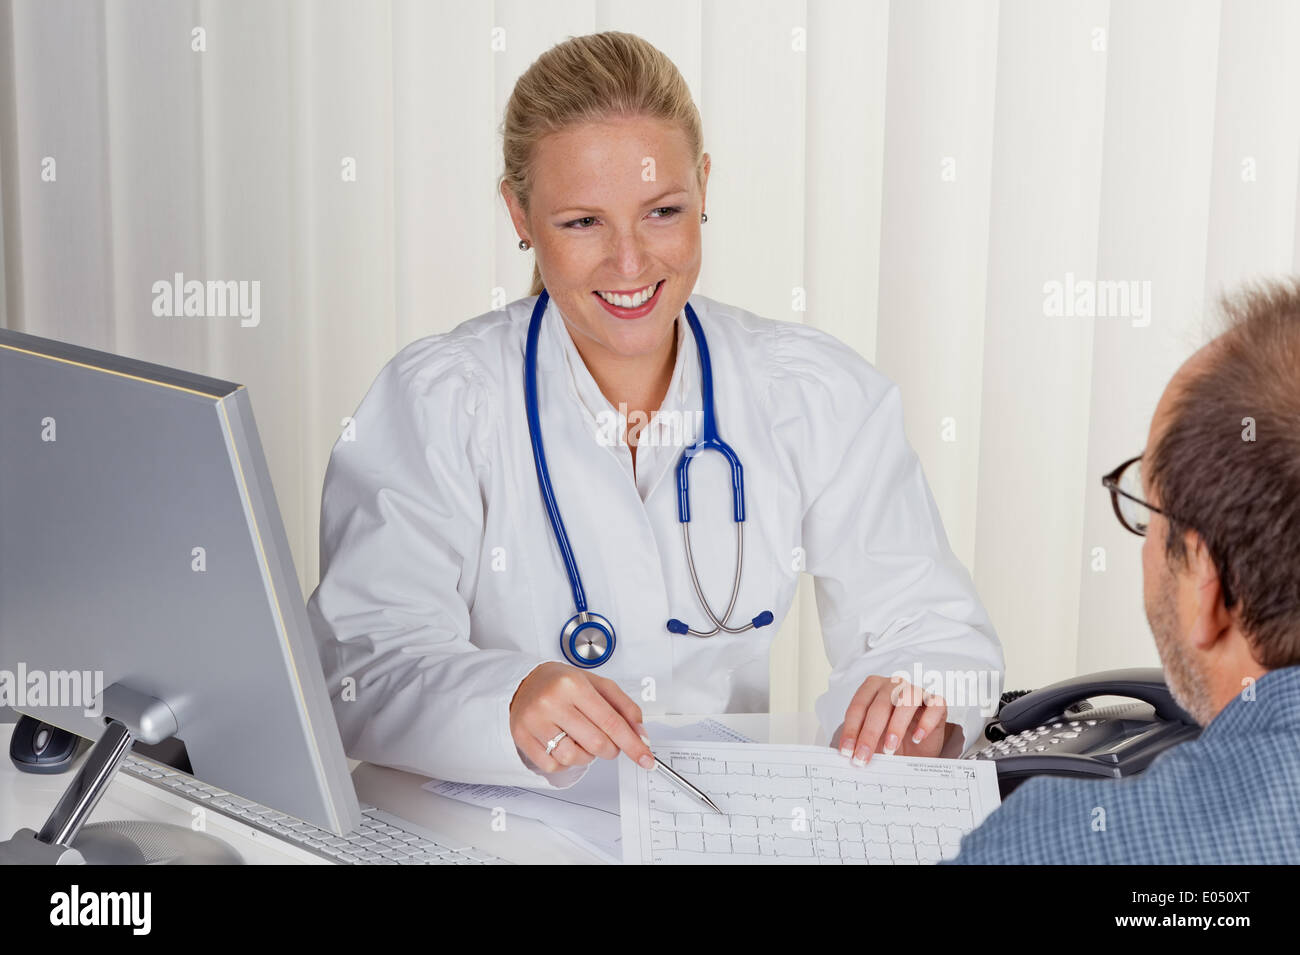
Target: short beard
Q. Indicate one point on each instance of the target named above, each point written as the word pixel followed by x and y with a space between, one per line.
pixel 1187 684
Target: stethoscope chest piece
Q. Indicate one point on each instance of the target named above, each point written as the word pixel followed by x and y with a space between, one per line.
pixel 587 640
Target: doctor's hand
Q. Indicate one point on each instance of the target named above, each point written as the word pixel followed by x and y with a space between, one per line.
pixel 599 718
pixel 892 716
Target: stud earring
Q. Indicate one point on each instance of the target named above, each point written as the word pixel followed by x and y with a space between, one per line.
pixel 704 217
pixel 523 245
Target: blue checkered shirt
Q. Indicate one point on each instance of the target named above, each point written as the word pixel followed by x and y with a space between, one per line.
pixel 1230 796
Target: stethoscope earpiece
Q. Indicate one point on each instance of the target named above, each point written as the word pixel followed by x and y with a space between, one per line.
pixel 587 639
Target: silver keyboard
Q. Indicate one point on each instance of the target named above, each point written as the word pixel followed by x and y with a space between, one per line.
pixel 381 839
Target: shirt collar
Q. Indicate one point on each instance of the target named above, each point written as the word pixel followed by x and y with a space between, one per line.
pixel 583 385
pixel 1270 703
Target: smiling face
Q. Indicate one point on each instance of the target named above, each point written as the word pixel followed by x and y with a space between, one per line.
pixel 599 227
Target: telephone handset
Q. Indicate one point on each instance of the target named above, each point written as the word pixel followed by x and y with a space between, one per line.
pixel 1057 731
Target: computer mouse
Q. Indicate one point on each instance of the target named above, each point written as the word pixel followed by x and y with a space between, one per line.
pixel 37 747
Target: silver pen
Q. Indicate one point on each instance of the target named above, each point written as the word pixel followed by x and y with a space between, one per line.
pixel 685 784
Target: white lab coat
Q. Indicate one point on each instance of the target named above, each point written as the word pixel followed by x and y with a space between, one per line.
pixel 442 586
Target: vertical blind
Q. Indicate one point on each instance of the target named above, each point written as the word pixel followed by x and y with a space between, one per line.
pixel 1020 211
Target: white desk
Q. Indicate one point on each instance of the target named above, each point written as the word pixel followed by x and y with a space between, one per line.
pixel 27 799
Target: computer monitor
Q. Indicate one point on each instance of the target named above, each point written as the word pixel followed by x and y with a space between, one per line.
pixel 144 565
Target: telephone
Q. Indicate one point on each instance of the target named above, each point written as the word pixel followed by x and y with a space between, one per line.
pixel 1056 731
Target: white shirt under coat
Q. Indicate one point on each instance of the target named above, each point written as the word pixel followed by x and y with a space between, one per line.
pixel 442 586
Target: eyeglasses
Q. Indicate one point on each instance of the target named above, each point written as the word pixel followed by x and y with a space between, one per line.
pixel 1125 484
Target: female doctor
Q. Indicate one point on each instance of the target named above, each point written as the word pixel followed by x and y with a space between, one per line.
pixel 505 578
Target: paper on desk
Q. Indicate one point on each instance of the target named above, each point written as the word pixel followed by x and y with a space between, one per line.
pixel 704 730
pixel 587 813
pixel 610 854
pixel 802 804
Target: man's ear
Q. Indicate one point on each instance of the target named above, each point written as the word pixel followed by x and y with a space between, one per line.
pixel 1212 619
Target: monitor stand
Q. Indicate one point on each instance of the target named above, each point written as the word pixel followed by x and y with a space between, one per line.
pixel 65 839
pixel 134 842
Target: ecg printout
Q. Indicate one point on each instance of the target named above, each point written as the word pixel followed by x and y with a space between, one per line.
pixel 801 804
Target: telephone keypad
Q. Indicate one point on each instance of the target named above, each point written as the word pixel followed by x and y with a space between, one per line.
pixel 1041 739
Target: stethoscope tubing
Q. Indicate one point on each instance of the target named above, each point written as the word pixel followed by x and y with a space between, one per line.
pixel 539 457
pixel 709 440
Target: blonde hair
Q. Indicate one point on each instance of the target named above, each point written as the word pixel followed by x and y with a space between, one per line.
pixel 590 79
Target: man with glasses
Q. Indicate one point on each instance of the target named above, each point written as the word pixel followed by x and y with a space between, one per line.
pixel 1216 497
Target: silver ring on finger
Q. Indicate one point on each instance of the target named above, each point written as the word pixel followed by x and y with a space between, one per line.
pixel 554 742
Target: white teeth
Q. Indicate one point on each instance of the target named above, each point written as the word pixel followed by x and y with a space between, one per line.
pixel 630 301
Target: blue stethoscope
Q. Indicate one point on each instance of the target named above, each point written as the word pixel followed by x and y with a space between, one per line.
pixel 587 639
